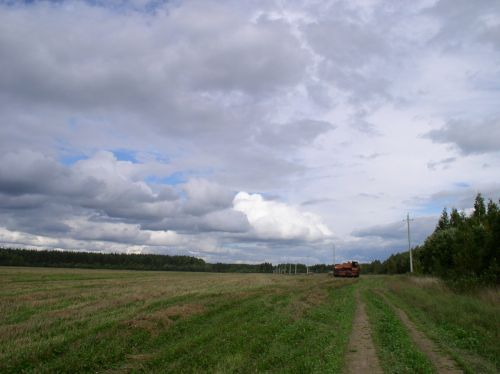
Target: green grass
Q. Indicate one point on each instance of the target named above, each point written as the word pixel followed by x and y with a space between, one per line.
pixel 54 320
pixel 396 351
pixel 265 332
pixel 467 326
pixel 74 320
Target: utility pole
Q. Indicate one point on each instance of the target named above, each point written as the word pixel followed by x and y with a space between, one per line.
pixel 295 268
pixel 333 267
pixel 333 255
pixel 409 241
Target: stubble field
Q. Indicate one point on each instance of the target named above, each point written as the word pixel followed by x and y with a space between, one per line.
pixel 71 320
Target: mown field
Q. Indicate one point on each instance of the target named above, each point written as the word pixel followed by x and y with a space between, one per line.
pixel 70 320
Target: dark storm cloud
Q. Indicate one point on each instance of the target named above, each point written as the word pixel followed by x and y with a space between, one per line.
pixel 462 198
pixel 368 249
pixel 359 122
pixel 354 46
pixel 293 134
pixel 98 185
pixel 190 78
pixel 349 44
pixel 262 167
pixel 371 156
pixel 463 22
pixel 396 232
pixel 370 195
pixel 442 164
pixel 227 220
pixel 39 214
pixel 280 251
pixel 470 136
pixel 491 35
pixel 325 200
pixel 204 197
pixel 8 201
pixel 137 59
pixel 27 172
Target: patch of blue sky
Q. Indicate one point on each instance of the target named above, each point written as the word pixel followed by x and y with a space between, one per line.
pixel 432 208
pixel 149 155
pixel 436 206
pixel 148 7
pixel 171 180
pixel 17 2
pixel 125 155
pixel 72 159
pixel 72 123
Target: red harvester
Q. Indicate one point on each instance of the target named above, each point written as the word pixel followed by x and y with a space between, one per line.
pixel 347 269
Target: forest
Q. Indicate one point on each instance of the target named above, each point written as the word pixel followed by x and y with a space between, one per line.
pixel 463 249
pixel 92 260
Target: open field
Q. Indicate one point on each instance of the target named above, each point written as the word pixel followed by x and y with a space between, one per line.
pixel 61 320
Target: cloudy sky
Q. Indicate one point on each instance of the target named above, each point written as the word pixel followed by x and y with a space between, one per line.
pixel 244 131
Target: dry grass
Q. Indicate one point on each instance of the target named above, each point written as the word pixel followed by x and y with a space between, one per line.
pixel 44 312
pixel 426 281
pixel 490 295
pixel 161 319
pixel 300 305
pixel 36 303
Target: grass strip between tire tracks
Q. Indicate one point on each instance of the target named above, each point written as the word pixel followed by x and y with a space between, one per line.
pixel 397 353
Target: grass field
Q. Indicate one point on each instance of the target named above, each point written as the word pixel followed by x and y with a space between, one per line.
pixel 62 320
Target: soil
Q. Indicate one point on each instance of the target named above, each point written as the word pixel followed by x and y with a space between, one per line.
pixel 361 355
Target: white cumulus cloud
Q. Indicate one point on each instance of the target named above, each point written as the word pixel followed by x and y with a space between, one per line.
pixel 277 220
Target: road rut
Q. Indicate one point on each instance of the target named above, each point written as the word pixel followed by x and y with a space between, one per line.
pixel 361 355
pixel 443 363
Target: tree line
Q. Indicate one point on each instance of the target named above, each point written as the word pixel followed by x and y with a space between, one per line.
pixel 92 260
pixel 289 268
pixel 463 249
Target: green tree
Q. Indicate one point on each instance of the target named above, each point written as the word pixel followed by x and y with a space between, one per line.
pixel 444 221
pixel 479 207
pixel 456 218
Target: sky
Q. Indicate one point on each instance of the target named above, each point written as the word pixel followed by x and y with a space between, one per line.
pixel 244 131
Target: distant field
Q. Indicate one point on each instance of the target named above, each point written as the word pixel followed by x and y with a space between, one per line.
pixel 61 320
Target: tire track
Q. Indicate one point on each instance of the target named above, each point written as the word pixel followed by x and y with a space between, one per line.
pixel 361 355
pixel 442 362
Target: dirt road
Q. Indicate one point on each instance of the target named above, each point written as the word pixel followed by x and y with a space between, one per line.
pixel 361 355
pixel 442 362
